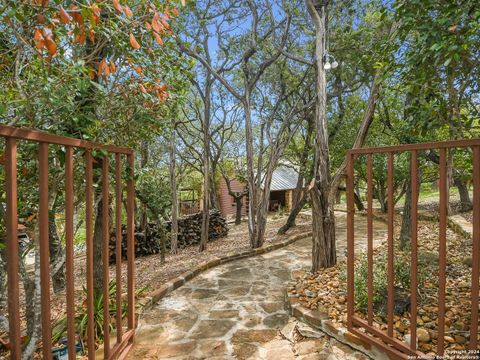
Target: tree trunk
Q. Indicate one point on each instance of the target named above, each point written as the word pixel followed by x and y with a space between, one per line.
pixel 323 224
pixel 292 217
pixel 238 210
pixel 33 294
pixel 173 187
pixel 406 229
pixel 466 202
pixel 300 194
pixel 98 246
pixel 358 201
pixel 3 288
pixel 162 239
pixel 382 198
pixel 450 170
pixel 143 206
pixel 213 188
pixel 57 260
pixel 324 249
pixel 206 164
pixel 252 187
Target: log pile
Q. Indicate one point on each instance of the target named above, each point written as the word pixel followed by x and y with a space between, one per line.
pixel 146 242
pixel 190 228
pixel 189 231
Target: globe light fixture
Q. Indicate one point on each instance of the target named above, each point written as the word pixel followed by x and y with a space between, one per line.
pixel 327 65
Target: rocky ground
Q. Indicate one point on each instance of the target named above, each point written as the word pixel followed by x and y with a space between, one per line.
pixel 326 290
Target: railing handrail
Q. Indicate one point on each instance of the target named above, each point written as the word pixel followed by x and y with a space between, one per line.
pixel 124 343
pixel 43 137
pixel 387 340
pixel 419 146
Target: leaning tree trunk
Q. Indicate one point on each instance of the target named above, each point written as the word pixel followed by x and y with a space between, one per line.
pixel 323 224
pixel 465 201
pixel 300 196
pixel 292 217
pixel 358 201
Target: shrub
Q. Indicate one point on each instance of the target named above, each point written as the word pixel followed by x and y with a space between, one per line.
pixel 402 277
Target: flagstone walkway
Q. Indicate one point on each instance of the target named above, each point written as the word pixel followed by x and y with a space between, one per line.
pixel 237 311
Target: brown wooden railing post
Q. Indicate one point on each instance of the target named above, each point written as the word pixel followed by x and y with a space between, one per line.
pixel 89 241
pixel 370 238
pixel 475 251
pixel 390 264
pixel 414 245
pixel 131 242
pixel 72 353
pixel 11 223
pixel 44 140
pixel 118 245
pixel 43 220
pixel 387 340
pixel 105 255
pixel 350 241
pixel 442 251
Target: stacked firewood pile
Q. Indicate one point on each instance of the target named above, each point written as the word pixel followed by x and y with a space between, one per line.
pixel 189 231
pixel 190 228
pixel 146 242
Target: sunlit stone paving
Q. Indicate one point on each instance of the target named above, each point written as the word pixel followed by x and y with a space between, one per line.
pixel 237 311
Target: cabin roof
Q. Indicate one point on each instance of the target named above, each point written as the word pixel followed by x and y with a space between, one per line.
pixel 284 178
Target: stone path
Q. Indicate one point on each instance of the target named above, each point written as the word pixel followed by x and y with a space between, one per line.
pixel 237 311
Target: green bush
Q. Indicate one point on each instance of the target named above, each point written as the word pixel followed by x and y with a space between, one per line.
pixel 81 319
pixel 401 277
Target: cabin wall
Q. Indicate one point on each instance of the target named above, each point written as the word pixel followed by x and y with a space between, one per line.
pixel 226 201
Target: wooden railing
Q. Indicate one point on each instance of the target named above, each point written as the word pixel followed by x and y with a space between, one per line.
pixel 124 339
pixel 385 339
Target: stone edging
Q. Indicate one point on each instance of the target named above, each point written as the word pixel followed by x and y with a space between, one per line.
pixel 321 321
pixel 173 284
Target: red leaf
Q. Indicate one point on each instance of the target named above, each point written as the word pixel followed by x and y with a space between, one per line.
pixel 117 6
pixel 38 35
pixel 156 25
pixel 41 19
pixel 64 17
pixel 128 12
pixel 158 39
pixel 133 42
pixel 51 46
pixel 91 35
